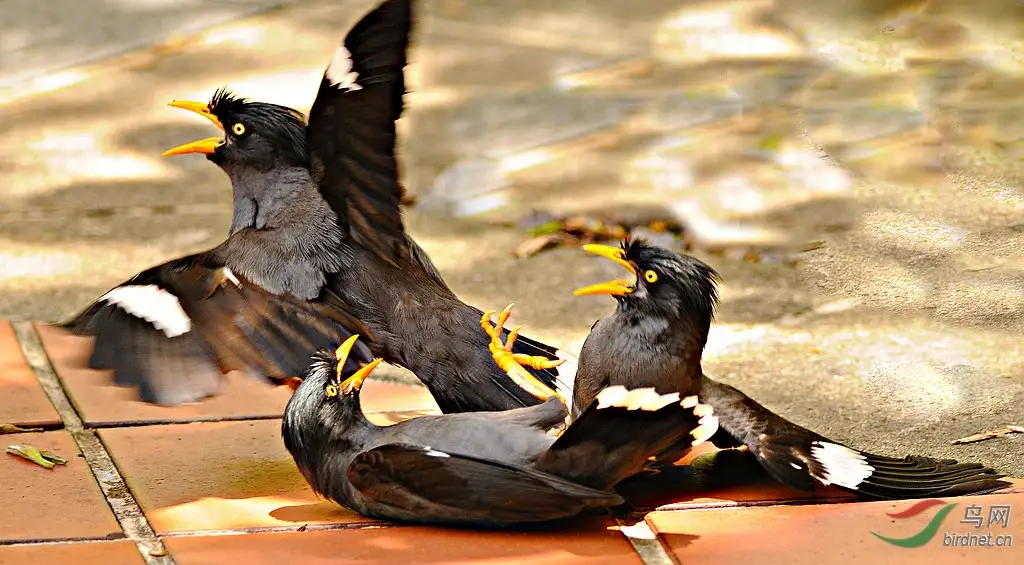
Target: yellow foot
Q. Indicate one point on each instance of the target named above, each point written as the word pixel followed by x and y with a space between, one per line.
pixel 513 363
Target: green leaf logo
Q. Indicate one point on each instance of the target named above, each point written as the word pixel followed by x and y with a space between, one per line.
pixel 928 532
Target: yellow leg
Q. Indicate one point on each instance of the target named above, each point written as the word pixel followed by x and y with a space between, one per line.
pixel 512 363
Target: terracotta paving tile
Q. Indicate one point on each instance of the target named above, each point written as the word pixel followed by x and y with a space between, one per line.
pixel 578 542
pixel 832 533
pixel 22 400
pixel 63 502
pixel 217 475
pixel 93 553
pixel 101 402
pixel 731 477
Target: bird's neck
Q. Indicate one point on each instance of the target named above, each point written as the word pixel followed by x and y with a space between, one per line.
pixel 261 195
pixel 683 334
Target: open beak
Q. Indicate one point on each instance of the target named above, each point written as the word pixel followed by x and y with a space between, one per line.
pixel 204 146
pixel 614 288
pixel 201 108
pixel 356 380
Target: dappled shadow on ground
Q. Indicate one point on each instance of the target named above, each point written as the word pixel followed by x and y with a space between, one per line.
pixel 891 157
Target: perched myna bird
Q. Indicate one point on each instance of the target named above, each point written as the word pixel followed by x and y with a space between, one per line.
pixel 316 218
pixel 483 468
pixel 655 338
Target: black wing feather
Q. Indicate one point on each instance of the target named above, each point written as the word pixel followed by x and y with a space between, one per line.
pixel 412 483
pixel 352 133
pixel 233 327
pixel 605 446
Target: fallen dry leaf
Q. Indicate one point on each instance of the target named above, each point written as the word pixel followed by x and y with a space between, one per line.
pixel 535 245
pixel 999 432
pixel 12 429
pixel 548 231
pixel 31 453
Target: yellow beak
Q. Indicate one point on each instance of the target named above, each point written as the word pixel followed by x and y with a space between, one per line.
pixel 201 108
pixel 356 380
pixel 204 146
pixel 614 288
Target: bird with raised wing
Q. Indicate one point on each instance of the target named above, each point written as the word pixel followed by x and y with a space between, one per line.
pixel 316 218
pixel 407 314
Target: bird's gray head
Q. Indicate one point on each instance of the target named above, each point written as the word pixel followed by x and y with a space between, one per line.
pixel 257 135
pixel 664 281
pixel 325 407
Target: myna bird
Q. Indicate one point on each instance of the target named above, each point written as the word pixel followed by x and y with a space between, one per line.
pixel 173 330
pixel 484 468
pixel 655 338
pixel 375 273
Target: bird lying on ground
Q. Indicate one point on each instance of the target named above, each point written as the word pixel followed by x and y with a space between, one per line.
pixel 484 468
pixel 655 338
pixel 316 220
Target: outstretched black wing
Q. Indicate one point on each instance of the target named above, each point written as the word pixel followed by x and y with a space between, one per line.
pixel 800 458
pixel 351 129
pixel 416 484
pixel 616 436
pixel 175 329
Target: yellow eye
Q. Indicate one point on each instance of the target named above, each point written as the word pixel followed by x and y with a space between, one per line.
pixel 331 391
pixel 650 276
pixel 238 128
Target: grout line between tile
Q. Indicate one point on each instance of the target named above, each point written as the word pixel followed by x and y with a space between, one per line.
pixel 107 424
pixel 129 515
pixel 679 506
pixel 647 545
pixel 61 541
pixel 281 529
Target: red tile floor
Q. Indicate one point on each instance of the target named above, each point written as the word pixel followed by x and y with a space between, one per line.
pixel 212 483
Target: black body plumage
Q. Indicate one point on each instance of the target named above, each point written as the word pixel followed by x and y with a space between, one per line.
pixel 483 468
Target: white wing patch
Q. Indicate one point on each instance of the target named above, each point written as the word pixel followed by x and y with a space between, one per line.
pixel 565 382
pixel 708 422
pixel 153 304
pixel 843 466
pixel 231 277
pixel 339 72
pixel 637 399
pixel 435 453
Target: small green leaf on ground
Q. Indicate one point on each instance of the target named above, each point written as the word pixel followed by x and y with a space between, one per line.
pixel 31 453
pixel 812 245
pixel 547 228
pixel 12 429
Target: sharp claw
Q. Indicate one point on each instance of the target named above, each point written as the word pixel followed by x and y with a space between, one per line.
pixel 485 323
pixel 504 316
pixel 536 361
pixel 510 341
pixel 512 363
